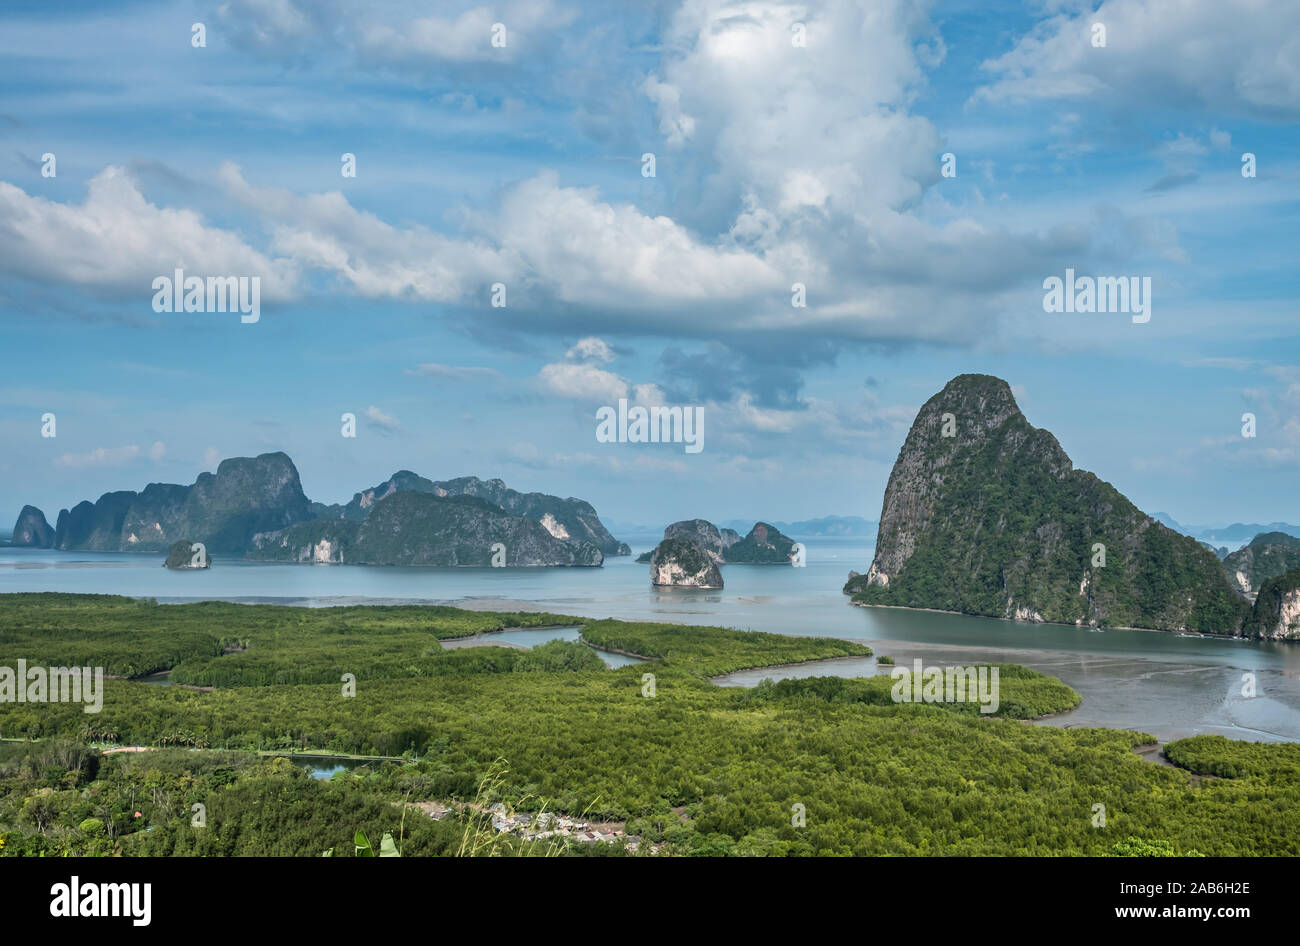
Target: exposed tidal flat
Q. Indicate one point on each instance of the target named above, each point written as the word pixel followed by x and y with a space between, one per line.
pixel 1161 683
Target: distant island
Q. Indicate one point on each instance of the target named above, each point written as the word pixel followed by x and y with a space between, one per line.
pixel 254 507
pixel 1267 556
pixel 824 527
pixel 692 550
pixel 985 514
pixel 1235 535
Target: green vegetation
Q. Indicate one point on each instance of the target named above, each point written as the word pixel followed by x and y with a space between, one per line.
pixel 1230 758
pixel 711 651
pixel 1268 555
pixel 696 768
pixel 765 545
pixel 222 644
pixel 420 528
pixel 59 799
pixel 1022 693
pixel 1008 524
pixel 1138 847
pixel 693 561
pixel 1266 619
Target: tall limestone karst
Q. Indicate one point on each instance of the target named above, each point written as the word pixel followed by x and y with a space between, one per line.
pixel 985 514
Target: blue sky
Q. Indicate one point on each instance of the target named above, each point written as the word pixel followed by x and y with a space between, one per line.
pixel 521 164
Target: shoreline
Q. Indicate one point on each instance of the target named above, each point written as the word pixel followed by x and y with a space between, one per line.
pixel 1085 627
pixel 798 663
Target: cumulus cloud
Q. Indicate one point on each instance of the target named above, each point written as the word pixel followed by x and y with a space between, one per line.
pixel 116 240
pixel 583 382
pixel 325 232
pixel 562 242
pixel 1241 56
pixel 789 165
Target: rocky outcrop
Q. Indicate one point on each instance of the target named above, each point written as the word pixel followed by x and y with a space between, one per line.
pixel 680 563
pixel 765 545
pixel 185 555
pixel 256 507
pixel 1268 555
pixel 31 530
pixel 417 528
pixel 1276 615
pixel 704 534
pixel 985 514
pixel 223 510
pixel 572 520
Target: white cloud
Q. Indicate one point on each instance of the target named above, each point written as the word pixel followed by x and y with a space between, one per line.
pixel 325 232
pixel 466 37
pixel 211 458
pixel 583 382
pixel 578 248
pixel 380 419
pixel 117 240
pixel 648 395
pixel 545 240
pixel 733 86
pixel 1242 56
pixel 591 348
pixel 157 451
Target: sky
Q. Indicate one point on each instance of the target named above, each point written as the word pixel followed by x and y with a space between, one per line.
pixel 505 145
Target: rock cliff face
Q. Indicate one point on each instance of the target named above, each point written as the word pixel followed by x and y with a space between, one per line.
pixel 320 541
pixel 94 526
pixel 416 528
pixel 985 514
pixel 706 535
pixel 681 563
pixel 1276 615
pixel 566 519
pixel 256 507
pixel 223 510
pixel 1267 556
pixel 31 530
